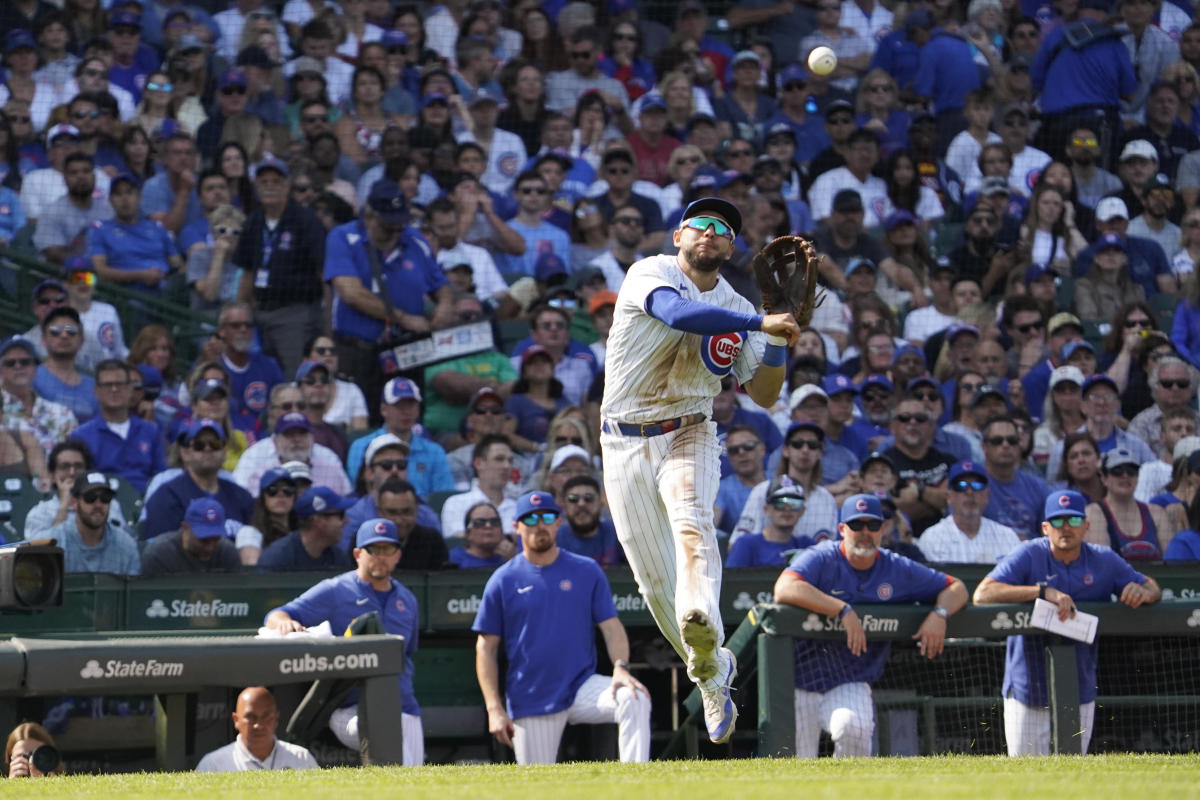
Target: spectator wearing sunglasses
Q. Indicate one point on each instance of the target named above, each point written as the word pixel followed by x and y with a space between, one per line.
pixel 833 680
pixel 102 336
pixel 586 531
pixel 201 452
pixel 492 463
pixel 484 538
pixel 1173 385
pixel 1137 531
pixel 88 537
pixel 1015 496
pixel 922 468
pixel 965 535
pixel 317 543
pixel 58 378
pixel 1062 568
pixel 1101 408
pixel 387 457
pixel 776 543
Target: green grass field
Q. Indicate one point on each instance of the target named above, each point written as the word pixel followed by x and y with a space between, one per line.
pixel 1129 777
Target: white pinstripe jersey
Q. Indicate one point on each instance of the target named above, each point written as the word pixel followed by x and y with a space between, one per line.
pixel 655 372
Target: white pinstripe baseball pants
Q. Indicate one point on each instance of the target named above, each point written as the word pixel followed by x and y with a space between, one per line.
pixel 344 724
pixel 1027 728
pixel 846 711
pixel 536 739
pixel 661 491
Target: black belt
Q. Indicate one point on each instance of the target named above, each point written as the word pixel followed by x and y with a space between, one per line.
pixel 651 428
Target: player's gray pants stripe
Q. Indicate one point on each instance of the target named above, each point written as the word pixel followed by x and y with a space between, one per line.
pixel 536 739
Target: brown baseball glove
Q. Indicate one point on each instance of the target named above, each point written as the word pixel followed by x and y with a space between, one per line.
pixel 786 272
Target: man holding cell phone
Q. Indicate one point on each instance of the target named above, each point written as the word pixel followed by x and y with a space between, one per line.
pixel 1060 568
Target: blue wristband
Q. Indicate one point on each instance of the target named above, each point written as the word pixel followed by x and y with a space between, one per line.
pixel 775 355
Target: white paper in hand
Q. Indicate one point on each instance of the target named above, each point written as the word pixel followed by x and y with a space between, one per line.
pixel 322 631
pixel 1081 627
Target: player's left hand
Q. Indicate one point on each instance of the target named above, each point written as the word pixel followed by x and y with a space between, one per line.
pixel 622 677
pixel 1135 594
pixel 931 636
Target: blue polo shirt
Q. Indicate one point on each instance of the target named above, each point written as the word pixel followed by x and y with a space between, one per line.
pixel 129 247
pixel 165 508
pixel 753 550
pixel 546 617
pixel 899 56
pixel 822 664
pixel 1097 574
pixel 604 548
pixel 946 71
pixel 410 272
pixel 1098 75
pixel 137 458
pixel 288 555
pixel 1018 503
pixel 464 560
pixel 428 467
pixel 339 600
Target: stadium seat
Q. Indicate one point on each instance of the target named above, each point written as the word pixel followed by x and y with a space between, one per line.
pixel 511 332
pixel 1163 306
pixel 130 498
pixel 438 499
pixel 17 496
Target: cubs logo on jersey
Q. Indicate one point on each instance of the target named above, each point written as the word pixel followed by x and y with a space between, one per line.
pixel 255 395
pixel 719 352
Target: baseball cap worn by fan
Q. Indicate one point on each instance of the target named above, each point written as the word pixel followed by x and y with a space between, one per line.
pixel 1119 457
pixel 784 486
pixel 971 468
pixel 604 297
pixel 291 422
pixel 382 441
pixel 201 425
pixel 993 185
pixel 532 502
pixel 715 205
pixel 398 389
pixel 16 340
pixel 803 392
pixel 321 500
pixel 1111 208
pixel 861 506
pixel 59 131
pixel 1066 374
pixel 232 77
pixel 90 480
pixel 298 470
pixel 376 531
pixel 207 388
pixel 1064 504
pixel 274 475
pixel 1062 319
pixel 847 200
pixel 206 517
pixel 268 163
pixel 548 267
pixel 1139 148
pixel 387 202
pixel 565 453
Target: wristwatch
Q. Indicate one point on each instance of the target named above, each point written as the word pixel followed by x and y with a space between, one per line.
pixel 622 663
pixel 1041 590
pixel 846 609
pixel 941 612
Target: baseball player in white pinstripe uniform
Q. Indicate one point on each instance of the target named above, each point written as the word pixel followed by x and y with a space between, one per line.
pixel 541 606
pixel 678 329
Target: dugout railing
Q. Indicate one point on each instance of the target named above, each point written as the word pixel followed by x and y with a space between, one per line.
pixel 764 645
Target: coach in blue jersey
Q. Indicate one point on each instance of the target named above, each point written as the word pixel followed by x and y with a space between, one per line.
pixel 1061 568
pixel 542 605
pixel 370 587
pixel 833 683
pixel 367 259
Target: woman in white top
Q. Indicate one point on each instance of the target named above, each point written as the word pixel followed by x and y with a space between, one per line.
pixel 274 515
pixel 1049 230
pixel 347 406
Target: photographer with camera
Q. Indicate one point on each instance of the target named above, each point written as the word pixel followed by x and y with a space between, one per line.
pixel 30 752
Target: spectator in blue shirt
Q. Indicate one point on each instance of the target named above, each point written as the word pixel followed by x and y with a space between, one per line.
pixel 746 456
pixel 485 536
pixel 170 196
pixel 533 201
pixel 130 248
pixel 58 378
pixel 90 541
pixel 584 532
pixel 1015 496
pixel 132 60
pixel 317 544
pixel 121 444
pixel 946 72
pixel 775 545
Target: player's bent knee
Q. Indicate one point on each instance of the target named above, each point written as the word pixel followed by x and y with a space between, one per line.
pixel 851 732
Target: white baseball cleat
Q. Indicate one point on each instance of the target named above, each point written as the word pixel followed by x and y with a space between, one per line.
pixel 700 639
pixel 720 712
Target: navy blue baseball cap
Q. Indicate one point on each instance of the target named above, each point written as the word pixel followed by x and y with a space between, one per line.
pixel 17 340
pixel 208 387
pixel 804 426
pixel 1036 271
pixel 908 348
pixel 547 266
pixel 18 39
pixel 532 502
pixel 922 380
pixel 876 380
pixel 306 368
pixel 387 201
pixel 1096 380
pixel 968 468
pixel 1064 504
pixel 715 205
pixel 293 421
pixel 270 162
pixel 986 391
pixel 125 19
pixel 199 426
pixel 835 384
pixel 274 475
pixel 124 177
pixel 376 531
pixel 791 74
pixel 206 517
pixel 320 500
pixel 232 77
pixel 653 101
pixel 1075 346
pixel 394 38
pixel 861 506
pixel 882 458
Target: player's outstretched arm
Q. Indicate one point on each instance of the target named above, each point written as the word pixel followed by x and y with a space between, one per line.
pixel 487 670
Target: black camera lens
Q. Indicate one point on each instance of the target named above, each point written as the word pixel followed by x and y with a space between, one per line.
pixel 46 759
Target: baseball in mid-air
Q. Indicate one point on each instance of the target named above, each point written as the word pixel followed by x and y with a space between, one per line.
pixel 822 60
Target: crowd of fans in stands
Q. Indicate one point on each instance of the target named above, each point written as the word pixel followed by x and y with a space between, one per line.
pixel 1004 193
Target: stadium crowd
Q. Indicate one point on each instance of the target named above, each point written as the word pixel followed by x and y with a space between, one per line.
pixel 1006 196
